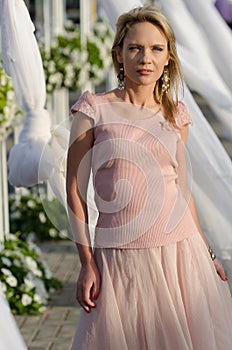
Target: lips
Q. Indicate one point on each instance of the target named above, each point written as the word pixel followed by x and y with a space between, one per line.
pixel 144 71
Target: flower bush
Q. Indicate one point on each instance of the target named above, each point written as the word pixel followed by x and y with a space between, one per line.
pixel 28 217
pixel 9 110
pixel 25 279
pixel 70 65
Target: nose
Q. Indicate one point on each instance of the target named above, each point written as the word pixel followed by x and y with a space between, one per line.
pixel 145 56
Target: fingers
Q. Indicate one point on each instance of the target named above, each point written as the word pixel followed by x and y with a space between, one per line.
pixel 220 270
pixel 95 290
pixel 84 299
pixel 222 275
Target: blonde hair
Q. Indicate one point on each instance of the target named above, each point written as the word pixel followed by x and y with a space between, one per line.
pixel 148 13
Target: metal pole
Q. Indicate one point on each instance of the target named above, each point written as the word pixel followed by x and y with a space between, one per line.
pixel 85 27
pixel 5 189
pixel 1 200
pixel 58 12
pixel 47 24
pixel 84 20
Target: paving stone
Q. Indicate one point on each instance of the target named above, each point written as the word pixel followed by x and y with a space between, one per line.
pixel 54 330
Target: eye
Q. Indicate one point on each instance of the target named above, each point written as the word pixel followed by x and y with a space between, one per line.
pixel 134 48
pixel 157 48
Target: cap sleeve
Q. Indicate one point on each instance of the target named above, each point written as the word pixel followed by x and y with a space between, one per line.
pixel 183 116
pixel 85 104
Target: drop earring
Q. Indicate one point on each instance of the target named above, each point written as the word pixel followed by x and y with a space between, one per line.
pixel 165 81
pixel 121 78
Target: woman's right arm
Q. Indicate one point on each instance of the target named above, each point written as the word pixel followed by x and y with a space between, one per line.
pixel 78 172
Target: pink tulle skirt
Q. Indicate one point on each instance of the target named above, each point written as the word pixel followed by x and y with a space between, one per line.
pixel 161 298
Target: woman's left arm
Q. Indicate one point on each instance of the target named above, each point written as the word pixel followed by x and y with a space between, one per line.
pixel 192 207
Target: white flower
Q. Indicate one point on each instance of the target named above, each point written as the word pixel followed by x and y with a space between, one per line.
pixel 35 248
pixel 6 272
pixel 42 309
pixel 68 82
pixel 84 74
pixel 47 271
pixel 38 273
pixel 52 232
pixel 37 298
pixel 42 217
pixel 75 55
pixel 11 237
pixel 56 78
pixel 3 80
pixel 24 191
pixel 40 289
pixel 31 204
pixel 101 28
pixel 29 284
pixel 12 281
pixel 32 264
pixel 6 261
pixel 26 300
pixel 10 95
pixel 6 111
pixel 66 51
pixel 49 87
pixel 51 67
pixel 69 68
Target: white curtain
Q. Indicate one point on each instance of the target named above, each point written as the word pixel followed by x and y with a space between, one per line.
pixel 41 147
pixel 10 337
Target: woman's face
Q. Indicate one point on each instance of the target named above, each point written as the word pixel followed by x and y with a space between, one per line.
pixel 144 54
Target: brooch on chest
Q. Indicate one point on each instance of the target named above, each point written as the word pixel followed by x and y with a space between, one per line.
pixel 165 125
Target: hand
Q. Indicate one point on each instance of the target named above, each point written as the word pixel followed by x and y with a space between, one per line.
pixel 88 286
pixel 220 270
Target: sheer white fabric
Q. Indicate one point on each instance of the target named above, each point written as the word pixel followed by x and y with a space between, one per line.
pixel 41 146
pixel 204 46
pixel 10 337
pixel 22 61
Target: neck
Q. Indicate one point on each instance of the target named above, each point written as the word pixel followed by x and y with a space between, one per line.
pixel 140 95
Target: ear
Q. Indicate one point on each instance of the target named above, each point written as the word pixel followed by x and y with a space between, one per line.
pixel 119 54
pixel 167 60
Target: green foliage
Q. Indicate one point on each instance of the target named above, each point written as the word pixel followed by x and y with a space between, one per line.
pixel 8 106
pixel 25 278
pixel 70 65
pixel 29 216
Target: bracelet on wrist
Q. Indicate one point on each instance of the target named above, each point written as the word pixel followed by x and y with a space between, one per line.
pixel 212 254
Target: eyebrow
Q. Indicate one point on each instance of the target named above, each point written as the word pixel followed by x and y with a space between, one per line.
pixel 134 43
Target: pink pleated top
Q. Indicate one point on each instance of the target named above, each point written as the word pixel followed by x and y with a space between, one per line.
pixel 139 179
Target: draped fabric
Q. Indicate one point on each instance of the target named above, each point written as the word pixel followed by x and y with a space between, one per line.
pixel 10 337
pixel 204 46
pixel 22 62
pixel 41 146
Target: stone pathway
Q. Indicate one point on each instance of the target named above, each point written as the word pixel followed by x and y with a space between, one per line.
pixel 54 329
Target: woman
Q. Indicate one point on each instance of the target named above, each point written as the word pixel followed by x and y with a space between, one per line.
pixel 151 281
